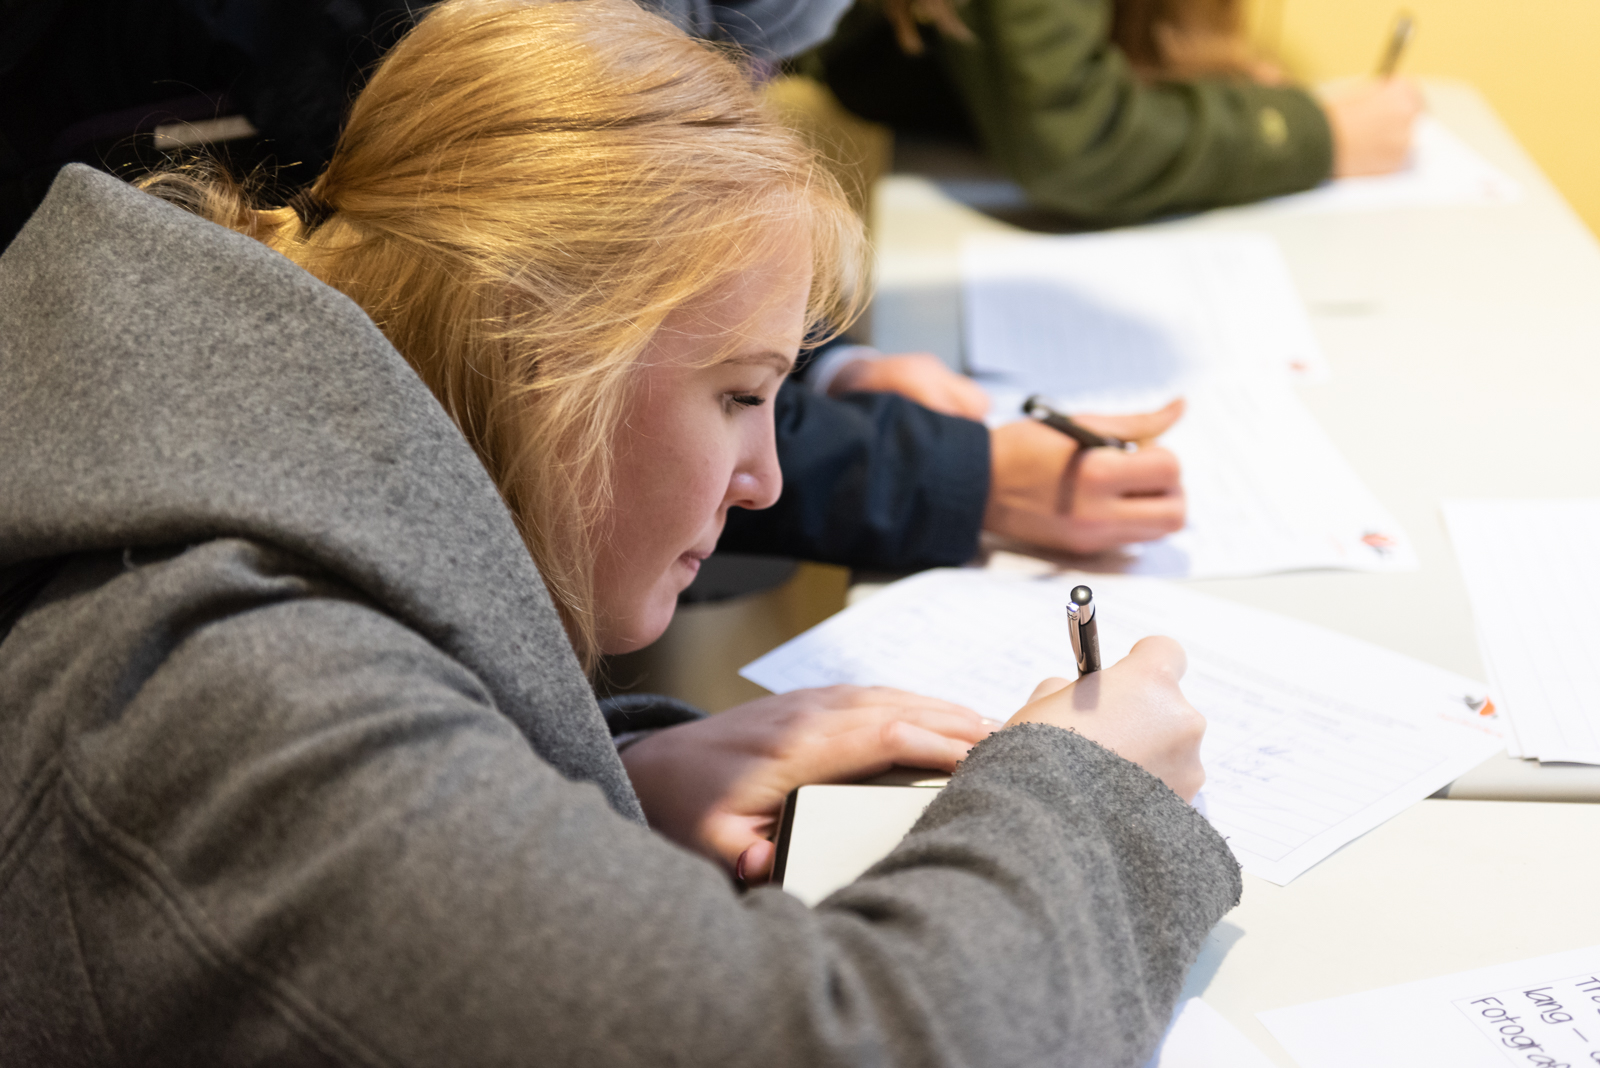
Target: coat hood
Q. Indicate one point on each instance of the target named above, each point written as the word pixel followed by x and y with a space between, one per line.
pixel 165 381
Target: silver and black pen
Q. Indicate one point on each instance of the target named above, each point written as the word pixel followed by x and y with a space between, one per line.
pixel 1085 632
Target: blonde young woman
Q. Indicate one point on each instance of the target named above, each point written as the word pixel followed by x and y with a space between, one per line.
pixel 311 516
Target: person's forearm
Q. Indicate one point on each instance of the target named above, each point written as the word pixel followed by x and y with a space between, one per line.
pixel 1063 111
pixel 1053 833
pixel 408 849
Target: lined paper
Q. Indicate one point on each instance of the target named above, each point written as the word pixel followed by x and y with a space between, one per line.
pixel 1532 569
pixel 1313 737
pixel 1116 323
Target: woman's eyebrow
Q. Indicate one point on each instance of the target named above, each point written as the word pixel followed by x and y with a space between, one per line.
pixel 783 363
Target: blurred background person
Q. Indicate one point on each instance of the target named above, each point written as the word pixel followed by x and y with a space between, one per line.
pixel 1111 111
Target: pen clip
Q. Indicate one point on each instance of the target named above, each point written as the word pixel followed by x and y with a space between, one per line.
pixel 1075 633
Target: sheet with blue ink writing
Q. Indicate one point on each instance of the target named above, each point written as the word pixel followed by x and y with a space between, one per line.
pixel 1313 737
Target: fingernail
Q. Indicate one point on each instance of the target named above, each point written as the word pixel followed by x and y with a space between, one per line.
pixel 738 871
pixel 992 725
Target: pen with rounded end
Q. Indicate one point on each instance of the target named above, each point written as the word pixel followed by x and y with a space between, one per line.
pixel 1084 631
pixel 1036 407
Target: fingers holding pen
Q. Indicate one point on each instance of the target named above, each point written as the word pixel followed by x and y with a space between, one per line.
pixel 1112 473
pixel 1134 708
pixel 1120 497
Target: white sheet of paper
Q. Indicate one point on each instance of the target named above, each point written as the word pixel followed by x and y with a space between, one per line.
pixel 1127 322
pixel 1540 1013
pixel 1201 1037
pixel 1313 737
pixel 1443 171
pixel 1120 321
pixel 1533 576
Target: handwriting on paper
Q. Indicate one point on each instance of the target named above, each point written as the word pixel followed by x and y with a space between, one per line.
pixel 1551 1025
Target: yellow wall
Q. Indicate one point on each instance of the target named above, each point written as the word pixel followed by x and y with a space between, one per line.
pixel 1537 62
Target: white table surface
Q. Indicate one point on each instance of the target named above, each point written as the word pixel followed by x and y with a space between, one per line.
pixel 1465 348
pixel 1445 887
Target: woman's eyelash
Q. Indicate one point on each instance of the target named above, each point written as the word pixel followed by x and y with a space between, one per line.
pixel 747 400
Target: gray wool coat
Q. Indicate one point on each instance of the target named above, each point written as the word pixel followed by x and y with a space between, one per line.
pixel 298 768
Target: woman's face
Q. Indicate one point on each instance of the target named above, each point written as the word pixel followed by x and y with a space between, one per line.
pixel 696 441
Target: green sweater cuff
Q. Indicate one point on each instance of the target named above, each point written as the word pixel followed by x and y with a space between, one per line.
pixel 1284 144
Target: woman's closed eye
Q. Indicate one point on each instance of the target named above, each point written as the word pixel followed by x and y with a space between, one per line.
pixel 746 400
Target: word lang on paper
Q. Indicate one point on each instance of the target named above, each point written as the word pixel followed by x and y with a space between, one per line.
pixel 1540 1013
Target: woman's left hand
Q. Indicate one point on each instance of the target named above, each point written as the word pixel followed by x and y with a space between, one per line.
pixel 717 785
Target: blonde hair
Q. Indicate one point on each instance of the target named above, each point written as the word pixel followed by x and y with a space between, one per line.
pixel 522 193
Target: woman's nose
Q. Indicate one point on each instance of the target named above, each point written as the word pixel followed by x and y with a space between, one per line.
pixel 757 482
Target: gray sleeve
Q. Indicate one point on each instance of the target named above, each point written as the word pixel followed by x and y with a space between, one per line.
pixel 312 827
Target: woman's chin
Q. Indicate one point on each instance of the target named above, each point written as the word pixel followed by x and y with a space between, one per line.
pixel 639 628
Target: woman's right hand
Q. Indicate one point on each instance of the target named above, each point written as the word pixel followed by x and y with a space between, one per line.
pixel 1371 124
pixel 1133 708
pixel 1044 491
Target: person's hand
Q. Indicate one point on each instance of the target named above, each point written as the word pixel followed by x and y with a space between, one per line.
pixel 1372 126
pixel 1135 709
pixel 1046 491
pixel 921 376
pixel 717 785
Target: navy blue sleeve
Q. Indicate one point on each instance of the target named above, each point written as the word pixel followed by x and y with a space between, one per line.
pixel 870 480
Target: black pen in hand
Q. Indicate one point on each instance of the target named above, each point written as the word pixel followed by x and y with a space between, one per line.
pixel 1084 630
pixel 1036 407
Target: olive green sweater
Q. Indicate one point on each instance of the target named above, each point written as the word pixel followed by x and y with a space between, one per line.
pixel 1060 108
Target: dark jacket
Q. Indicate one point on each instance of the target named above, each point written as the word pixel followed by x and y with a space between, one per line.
pixel 297 766
pixel 871 480
pixel 90 80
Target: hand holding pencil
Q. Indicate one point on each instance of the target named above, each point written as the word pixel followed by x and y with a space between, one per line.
pixel 1371 123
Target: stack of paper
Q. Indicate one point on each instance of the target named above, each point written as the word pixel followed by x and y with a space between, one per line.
pixel 1127 322
pixel 1541 1012
pixel 1313 737
pixel 1534 581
